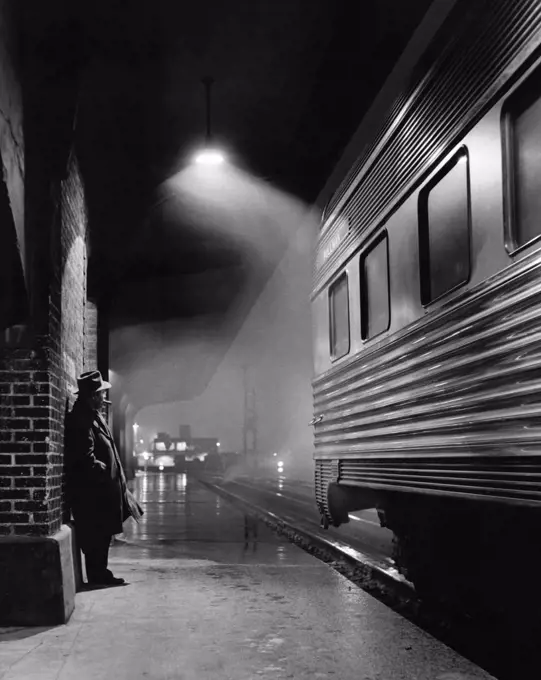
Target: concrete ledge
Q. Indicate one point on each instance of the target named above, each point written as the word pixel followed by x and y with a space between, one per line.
pixel 76 558
pixel 37 580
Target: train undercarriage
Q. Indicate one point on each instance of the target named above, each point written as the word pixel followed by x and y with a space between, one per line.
pixel 478 559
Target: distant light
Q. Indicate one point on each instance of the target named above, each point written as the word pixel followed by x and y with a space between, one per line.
pixel 141 441
pixel 209 157
pixel 274 454
pixel 280 464
pixel 161 467
pixel 217 443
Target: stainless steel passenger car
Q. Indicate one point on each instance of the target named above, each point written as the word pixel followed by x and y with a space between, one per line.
pixel 427 298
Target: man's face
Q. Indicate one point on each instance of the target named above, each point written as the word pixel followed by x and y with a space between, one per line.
pixel 96 399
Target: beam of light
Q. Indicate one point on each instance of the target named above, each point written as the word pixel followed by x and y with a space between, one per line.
pixel 253 224
pixel 234 204
pixel 209 157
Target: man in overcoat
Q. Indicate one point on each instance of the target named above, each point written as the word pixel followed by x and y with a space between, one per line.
pixel 95 482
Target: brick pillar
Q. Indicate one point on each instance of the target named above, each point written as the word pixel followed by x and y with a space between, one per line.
pixel 90 358
pixel 30 504
pixel 37 385
pixel 103 340
pixel 40 359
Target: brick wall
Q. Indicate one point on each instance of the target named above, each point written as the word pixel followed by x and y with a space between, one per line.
pixel 72 281
pixel 26 502
pixel 40 359
pixel 37 381
pixel 24 387
pixel 90 358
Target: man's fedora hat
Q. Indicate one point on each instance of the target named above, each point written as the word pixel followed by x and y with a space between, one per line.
pixel 91 382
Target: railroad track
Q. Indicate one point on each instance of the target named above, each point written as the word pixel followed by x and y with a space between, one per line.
pixel 292 511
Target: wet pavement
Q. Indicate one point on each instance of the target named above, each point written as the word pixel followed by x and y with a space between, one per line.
pixel 183 520
pixel 214 595
pixel 294 500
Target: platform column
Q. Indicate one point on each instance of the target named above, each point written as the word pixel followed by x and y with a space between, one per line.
pixel 42 354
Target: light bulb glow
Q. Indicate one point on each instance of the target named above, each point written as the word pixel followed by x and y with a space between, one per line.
pixel 209 157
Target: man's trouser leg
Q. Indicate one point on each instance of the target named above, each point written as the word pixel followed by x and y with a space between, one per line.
pixel 95 547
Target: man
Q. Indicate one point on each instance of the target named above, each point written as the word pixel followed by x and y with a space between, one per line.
pixel 96 484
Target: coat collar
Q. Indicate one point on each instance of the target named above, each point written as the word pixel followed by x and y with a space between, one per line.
pixel 102 425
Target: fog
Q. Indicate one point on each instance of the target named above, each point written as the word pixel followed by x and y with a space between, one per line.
pixel 271 352
pixel 196 368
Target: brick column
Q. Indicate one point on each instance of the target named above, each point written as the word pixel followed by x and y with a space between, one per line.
pixel 39 360
pixel 90 358
pixel 30 472
pixel 37 382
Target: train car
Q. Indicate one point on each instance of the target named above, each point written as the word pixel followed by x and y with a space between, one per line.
pixel 427 316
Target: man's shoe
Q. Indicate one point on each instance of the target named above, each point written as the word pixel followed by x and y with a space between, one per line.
pixel 114 581
pixel 106 579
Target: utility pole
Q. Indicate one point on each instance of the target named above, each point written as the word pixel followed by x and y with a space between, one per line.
pixel 249 430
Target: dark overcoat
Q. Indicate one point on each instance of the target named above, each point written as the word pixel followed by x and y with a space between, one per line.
pixel 95 482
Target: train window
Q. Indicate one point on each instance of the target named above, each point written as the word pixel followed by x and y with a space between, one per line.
pixel 444 230
pixel 522 163
pixel 375 309
pixel 339 317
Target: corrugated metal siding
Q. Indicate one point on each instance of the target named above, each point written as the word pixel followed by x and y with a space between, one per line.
pixel 493 478
pixel 447 402
pixel 438 109
pixel 354 172
pixel 325 473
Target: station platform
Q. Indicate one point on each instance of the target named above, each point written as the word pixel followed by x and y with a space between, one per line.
pixel 214 595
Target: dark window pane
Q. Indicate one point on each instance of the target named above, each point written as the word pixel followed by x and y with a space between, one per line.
pixel 524 147
pixel 444 237
pixel 339 308
pixel 375 312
